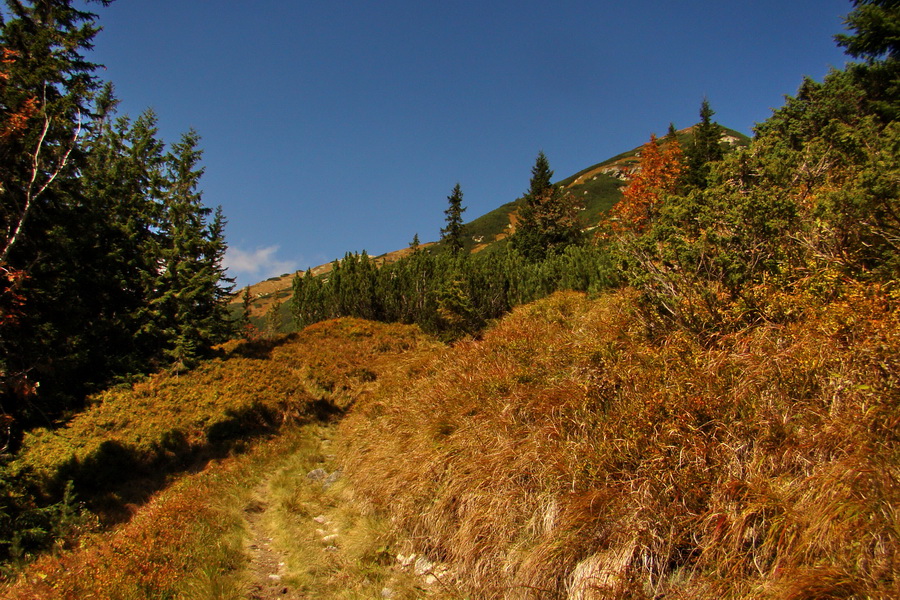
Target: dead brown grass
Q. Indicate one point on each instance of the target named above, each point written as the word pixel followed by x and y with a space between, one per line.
pixel 568 455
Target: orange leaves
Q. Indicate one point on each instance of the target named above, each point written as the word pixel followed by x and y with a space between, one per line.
pixel 7 57
pixel 659 171
pixel 11 300
pixel 17 120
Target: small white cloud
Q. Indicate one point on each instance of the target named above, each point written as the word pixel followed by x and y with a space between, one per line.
pixel 261 263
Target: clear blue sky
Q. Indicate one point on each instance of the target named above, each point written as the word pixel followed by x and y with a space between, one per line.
pixel 342 125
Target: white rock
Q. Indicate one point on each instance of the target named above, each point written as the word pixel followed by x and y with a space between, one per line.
pixel 423 565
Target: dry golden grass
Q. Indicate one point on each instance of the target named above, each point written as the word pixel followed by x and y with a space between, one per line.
pixel 184 543
pixel 330 548
pixel 569 455
pixel 188 541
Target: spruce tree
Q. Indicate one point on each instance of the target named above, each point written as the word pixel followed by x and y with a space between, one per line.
pixel 547 217
pixel 274 320
pixel 671 133
pixel 49 255
pixel 875 37
pixel 703 149
pixel 191 291
pixel 308 300
pixel 244 324
pixel 541 176
pixel 876 30
pixel 122 181
pixel 452 234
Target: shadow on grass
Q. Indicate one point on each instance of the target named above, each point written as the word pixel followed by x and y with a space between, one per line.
pixel 258 348
pixel 116 479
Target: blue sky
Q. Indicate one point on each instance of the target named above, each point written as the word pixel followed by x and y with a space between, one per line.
pixel 343 125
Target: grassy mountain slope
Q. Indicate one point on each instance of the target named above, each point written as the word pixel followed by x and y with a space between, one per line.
pixel 567 454
pixel 163 457
pixel 130 439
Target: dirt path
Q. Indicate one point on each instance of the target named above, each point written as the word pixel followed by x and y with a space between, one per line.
pixel 266 562
pixel 306 538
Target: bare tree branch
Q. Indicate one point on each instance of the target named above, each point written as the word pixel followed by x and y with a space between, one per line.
pixel 32 194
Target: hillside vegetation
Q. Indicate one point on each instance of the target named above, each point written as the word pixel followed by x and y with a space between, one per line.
pixel 723 426
pixel 133 440
pixel 597 188
pixel 569 454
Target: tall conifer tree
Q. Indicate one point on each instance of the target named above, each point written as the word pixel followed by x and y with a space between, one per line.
pixel 48 234
pixel 192 289
pixel 452 234
pixel 547 219
pixel 703 149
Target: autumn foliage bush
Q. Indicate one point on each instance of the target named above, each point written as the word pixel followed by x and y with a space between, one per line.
pixel 568 454
pixel 658 175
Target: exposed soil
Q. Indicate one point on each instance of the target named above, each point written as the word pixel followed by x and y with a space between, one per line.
pixel 266 562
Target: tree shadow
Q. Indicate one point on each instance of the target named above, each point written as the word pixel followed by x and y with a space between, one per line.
pixel 116 479
pixel 258 348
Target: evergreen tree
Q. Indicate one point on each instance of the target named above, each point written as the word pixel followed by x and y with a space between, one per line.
pixel 876 30
pixel 458 314
pixel 244 323
pixel 672 133
pixel 452 234
pixel 46 85
pixel 308 303
pixel 219 286
pixel 875 37
pixel 541 176
pixel 122 181
pixel 274 321
pixel 703 149
pixel 547 219
pixel 49 257
pixel 191 289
